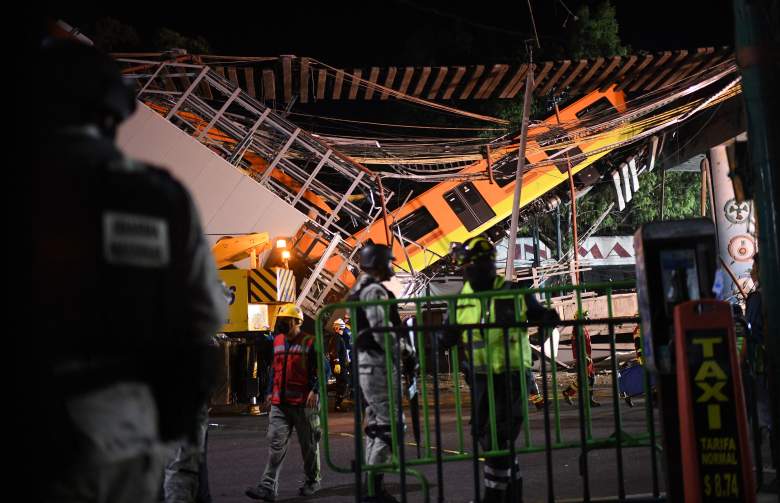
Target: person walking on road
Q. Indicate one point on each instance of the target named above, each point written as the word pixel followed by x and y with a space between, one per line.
pixel 376 264
pixel 293 398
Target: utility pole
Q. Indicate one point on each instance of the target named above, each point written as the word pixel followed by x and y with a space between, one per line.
pixel 757 45
pixel 510 254
pixel 576 244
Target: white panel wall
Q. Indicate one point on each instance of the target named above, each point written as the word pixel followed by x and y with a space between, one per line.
pixel 229 202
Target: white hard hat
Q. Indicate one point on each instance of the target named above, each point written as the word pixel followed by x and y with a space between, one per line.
pixel 340 323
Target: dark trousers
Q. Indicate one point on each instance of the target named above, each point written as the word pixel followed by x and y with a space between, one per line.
pixel 509 419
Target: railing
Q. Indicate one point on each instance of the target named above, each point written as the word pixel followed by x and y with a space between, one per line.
pixel 295 165
pixel 427 337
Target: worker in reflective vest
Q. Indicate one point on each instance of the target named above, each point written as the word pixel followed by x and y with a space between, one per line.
pixel 478 257
pixel 293 398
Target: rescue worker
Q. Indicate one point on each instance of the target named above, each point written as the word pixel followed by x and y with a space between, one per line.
pixel 572 389
pixel 376 265
pixel 125 293
pixel 293 398
pixel 477 257
pixel 342 328
pixel 339 363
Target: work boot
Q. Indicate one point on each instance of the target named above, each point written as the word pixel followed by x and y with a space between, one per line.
pixel 629 401
pixel 493 495
pixel 594 402
pixel 380 493
pixel 309 488
pixel 260 493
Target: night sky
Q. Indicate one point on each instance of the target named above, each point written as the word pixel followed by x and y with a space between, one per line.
pixel 401 32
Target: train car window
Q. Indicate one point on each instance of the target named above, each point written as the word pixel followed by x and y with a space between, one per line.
pixel 416 224
pixel 469 205
pixel 600 105
pixel 505 173
pixel 561 160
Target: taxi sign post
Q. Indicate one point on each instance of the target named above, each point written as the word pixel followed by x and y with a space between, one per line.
pixel 713 421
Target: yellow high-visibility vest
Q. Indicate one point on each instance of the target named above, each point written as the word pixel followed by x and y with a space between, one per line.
pixel 469 311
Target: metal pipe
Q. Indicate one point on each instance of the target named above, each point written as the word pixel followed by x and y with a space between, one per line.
pixel 510 257
pixel 573 195
pixel 474 418
pixel 400 414
pixel 547 435
pixel 509 419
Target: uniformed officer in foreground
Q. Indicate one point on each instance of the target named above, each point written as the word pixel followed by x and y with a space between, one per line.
pixel 124 289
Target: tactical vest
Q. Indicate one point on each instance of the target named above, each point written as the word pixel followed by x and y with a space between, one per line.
pixel 489 343
pixel 364 341
pixel 291 370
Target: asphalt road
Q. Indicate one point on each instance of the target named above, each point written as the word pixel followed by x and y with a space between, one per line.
pixel 238 450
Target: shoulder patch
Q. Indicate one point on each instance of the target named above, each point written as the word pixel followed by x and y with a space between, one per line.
pixel 135 240
pixel 126 165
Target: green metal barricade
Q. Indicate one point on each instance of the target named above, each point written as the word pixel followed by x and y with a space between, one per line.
pixel 432 451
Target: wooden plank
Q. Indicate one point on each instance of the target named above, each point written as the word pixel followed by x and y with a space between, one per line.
pixel 478 70
pixel 337 85
pixel 407 77
pixel 614 79
pixel 491 81
pixel 557 75
pixel 648 73
pixel 636 71
pixel 585 78
pixel 205 90
pixel 614 62
pixel 437 82
pixel 167 81
pixel 518 77
pixel 185 81
pixel 220 70
pixel 249 75
pixel 389 79
pixel 454 81
pixel 502 71
pixel 322 78
pixel 574 73
pixel 287 77
pixel 422 79
pixel 667 68
pixel 371 81
pixel 520 84
pixel 353 89
pixel 233 75
pixel 538 78
pixel 303 94
pixel 693 63
pixel 269 85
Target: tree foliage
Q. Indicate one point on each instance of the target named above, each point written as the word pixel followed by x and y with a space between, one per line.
pixel 111 35
pixel 167 38
pixel 681 200
pixel 595 33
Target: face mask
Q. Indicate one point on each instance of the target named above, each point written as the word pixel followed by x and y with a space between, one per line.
pixel 480 275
